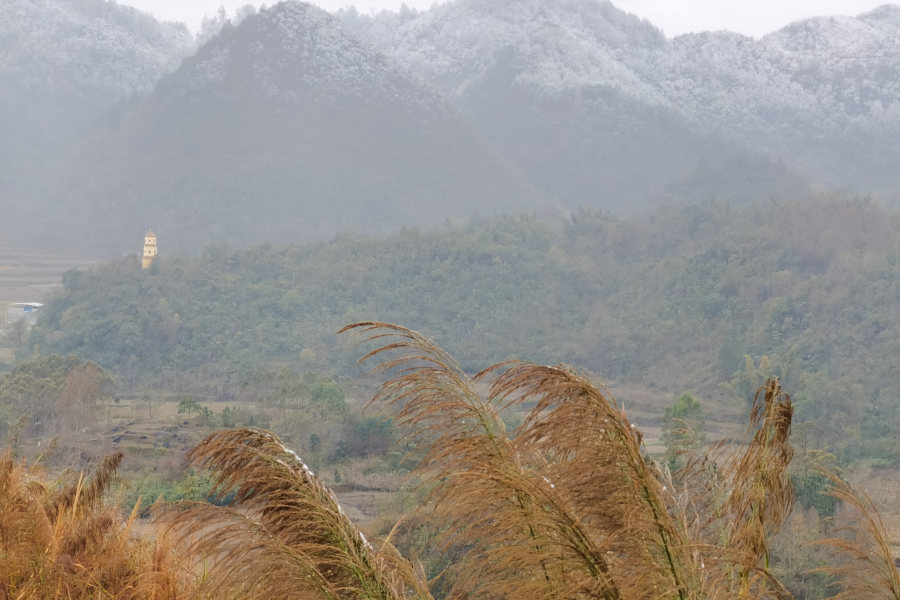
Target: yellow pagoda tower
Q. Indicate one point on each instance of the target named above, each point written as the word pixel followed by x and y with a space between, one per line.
pixel 149 248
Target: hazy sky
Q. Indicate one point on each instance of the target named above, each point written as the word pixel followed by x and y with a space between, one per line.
pixel 750 17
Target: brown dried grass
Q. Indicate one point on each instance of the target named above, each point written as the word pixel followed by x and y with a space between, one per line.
pixel 68 543
pixel 761 496
pixel 284 535
pixel 569 505
pixel 865 567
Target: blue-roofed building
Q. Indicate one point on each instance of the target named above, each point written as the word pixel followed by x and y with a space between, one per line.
pixel 23 310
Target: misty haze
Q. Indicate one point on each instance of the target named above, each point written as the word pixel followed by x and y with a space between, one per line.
pixel 282 298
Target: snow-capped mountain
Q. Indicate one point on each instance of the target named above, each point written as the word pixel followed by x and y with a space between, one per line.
pixel 822 94
pixel 563 44
pixel 92 48
pixel 296 52
pixel 290 123
pixel 286 127
pixel 64 62
pixel 824 90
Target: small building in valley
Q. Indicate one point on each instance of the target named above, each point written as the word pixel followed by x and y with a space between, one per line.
pixel 23 310
pixel 149 249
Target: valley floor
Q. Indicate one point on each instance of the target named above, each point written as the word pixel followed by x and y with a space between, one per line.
pixel 27 275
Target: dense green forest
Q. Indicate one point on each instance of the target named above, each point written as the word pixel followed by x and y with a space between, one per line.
pixel 709 298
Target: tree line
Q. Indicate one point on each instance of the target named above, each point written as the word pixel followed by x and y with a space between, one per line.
pixel 708 298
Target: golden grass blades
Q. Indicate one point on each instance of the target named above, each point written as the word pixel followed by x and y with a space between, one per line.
pixel 866 568
pixel 71 544
pixel 593 458
pixel 739 499
pixel 571 507
pixel 761 496
pixel 525 539
pixel 84 498
pixel 284 536
pixel 24 528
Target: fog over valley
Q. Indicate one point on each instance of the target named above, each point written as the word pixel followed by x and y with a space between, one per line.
pixel 494 299
pixel 411 118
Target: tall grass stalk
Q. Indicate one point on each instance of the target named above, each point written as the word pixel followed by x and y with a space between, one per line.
pixel 569 505
pixel 284 535
pixel 63 540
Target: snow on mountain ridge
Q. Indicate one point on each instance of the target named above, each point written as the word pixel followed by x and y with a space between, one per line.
pixel 564 45
pixel 837 37
pixel 91 46
pixel 825 73
pixel 888 13
pixel 570 44
pixel 285 127
pixel 824 78
pixel 295 49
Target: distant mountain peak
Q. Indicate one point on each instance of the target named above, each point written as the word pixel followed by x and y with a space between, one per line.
pixel 887 13
pixel 822 93
pixel 284 127
pixel 834 36
pixel 64 62
pixel 92 47
pixel 295 51
pixel 560 45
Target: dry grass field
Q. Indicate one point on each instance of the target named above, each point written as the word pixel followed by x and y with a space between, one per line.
pixel 31 276
pixel 156 438
pixel 472 460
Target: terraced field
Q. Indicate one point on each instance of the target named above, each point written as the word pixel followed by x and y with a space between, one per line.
pixel 30 276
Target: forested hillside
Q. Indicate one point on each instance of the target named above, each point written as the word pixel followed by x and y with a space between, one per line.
pixel 283 128
pixel 807 291
pixel 289 124
pixel 599 108
pixel 550 83
pixel 64 62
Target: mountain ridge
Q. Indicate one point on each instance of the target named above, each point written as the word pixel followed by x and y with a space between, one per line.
pixel 821 117
pixel 286 127
pixel 62 63
pixel 405 115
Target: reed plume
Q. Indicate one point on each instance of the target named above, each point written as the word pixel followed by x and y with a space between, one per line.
pixel 866 567
pixel 761 496
pixel 570 506
pixel 284 534
pixel 69 543
pixel 525 539
pixel 593 456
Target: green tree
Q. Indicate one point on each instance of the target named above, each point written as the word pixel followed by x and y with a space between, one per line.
pixel 328 394
pixel 188 404
pixel 746 382
pixel 683 424
pixel 229 417
pixel 50 388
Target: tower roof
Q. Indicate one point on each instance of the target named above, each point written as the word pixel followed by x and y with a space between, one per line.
pixel 150 233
